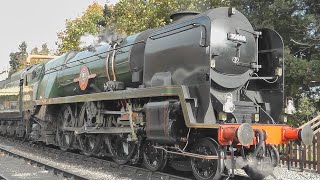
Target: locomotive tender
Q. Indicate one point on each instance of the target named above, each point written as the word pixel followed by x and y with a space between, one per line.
pixel 204 93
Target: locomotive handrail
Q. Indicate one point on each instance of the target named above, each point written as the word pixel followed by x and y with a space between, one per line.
pixel 153 37
pixel 194 25
pixel 269 50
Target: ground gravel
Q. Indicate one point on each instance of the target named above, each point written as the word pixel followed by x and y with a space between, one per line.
pixel 92 171
pixel 85 169
pixel 12 168
pixel 282 173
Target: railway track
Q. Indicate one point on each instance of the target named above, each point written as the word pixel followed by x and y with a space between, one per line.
pixel 56 170
pixel 2 177
pixel 14 148
pixel 131 171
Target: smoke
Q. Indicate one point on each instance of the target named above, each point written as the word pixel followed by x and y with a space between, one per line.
pixel 264 167
pixel 107 36
pixel 110 35
pixel 252 165
pixel 88 40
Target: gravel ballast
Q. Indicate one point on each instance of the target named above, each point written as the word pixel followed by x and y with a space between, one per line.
pixel 294 174
pixel 96 171
pixel 14 168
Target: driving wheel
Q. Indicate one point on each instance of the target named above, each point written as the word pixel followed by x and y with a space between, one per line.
pixel 65 139
pixel 153 159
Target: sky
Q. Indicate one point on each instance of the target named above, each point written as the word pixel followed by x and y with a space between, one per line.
pixel 36 22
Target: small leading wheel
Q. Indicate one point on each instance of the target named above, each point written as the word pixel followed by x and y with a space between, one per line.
pixel 153 159
pixel 120 148
pixel 206 169
pixel 90 144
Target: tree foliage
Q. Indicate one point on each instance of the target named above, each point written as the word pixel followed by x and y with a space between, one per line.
pixel 132 16
pixel 35 51
pixel 69 39
pixel 297 21
pixel 18 58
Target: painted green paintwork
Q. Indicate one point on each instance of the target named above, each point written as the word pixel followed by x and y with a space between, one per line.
pixel 48 86
pixel 60 73
pixel 55 78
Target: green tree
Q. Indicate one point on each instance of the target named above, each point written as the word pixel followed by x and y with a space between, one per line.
pixel 132 16
pixel 69 39
pixel 309 43
pixel 297 21
pixel 35 51
pixel 306 111
pixel 127 16
pixel 18 58
pixel 44 49
pixel 296 74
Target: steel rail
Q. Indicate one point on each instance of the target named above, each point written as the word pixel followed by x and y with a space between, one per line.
pixel 2 177
pixel 56 170
pixel 103 162
pixel 107 164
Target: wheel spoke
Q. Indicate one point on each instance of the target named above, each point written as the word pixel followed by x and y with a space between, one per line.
pixel 65 119
pixel 90 144
pixel 202 168
pixel 120 149
pixel 153 159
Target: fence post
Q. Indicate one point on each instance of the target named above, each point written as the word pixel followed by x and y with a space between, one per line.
pixel 302 156
pixel 289 154
pixel 314 153
pixel 318 152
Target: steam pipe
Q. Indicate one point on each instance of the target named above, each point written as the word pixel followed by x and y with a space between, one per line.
pixel 276 153
pixel 260 134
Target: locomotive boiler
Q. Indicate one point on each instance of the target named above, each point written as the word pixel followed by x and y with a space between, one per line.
pixel 204 93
